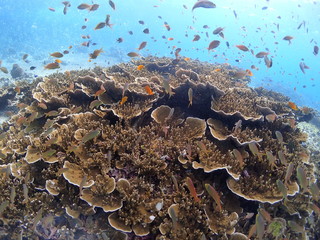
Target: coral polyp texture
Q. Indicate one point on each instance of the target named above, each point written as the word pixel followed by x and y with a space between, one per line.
pixel 174 150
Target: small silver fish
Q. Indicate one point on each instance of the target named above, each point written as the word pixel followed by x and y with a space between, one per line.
pixel 302 178
pixel 279 137
pixel 190 95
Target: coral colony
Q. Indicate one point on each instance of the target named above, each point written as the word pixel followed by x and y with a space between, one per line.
pixel 170 150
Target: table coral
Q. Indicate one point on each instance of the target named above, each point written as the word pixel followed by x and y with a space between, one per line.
pixel 96 153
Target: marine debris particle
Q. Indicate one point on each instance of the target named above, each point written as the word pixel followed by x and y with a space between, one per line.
pixel 135 143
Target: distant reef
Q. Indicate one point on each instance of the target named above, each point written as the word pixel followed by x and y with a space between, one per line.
pixel 157 148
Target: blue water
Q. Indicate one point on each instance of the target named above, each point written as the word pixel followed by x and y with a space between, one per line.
pixel 27 26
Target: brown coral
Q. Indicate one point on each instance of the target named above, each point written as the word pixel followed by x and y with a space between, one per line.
pixel 79 146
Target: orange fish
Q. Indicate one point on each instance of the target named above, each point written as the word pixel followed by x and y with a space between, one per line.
pixel 213 44
pixel 187 59
pixel 56 54
pixel 51 9
pixel 140 67
pixel 148 90
pixel 288 38
pixel 53 65
pixel 100 91
pixel 192 190
pixel 170 38
pixel 123 100
pixel 142 45
pixel 95 53
pixel 242 48
pixel 217 70
pixel 293 106
pixel 249 73
pixel 84 6
pixel 58 61
pixel 133 54
pixel 261 54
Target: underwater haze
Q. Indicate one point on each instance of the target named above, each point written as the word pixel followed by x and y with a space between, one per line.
pixel 159 119
pixel 29 27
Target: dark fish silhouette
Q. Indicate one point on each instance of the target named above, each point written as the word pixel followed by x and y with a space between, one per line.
pixel 288 38
pixel 196 38
pixel 213 44
pixel 315 50
pixel 242 48
pixel 218 30
pixel 235 14
pixel 108 21
pixel 268 61
pixel 261 54
pixel 112 5
pixel 142 45
pixel 203 4
pixel 303 23
pixel 303 66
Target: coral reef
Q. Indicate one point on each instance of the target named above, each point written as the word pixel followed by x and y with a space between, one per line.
pixel 171 151
pixel 17 71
